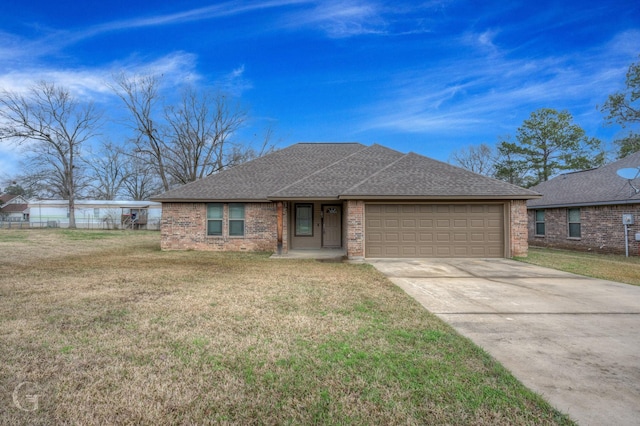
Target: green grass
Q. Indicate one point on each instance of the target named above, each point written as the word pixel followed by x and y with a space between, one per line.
pixel 84 235
pixel 604 266
pixel 8 236
pixel 116 331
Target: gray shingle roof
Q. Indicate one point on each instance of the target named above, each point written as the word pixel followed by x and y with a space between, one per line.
pixel 351 170
pixel 589 187
pixel 257 179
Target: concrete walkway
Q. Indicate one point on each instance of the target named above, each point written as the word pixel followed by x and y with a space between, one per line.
pixel 572 339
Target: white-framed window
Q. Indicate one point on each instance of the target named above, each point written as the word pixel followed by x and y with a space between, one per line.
pixel 304 220
pixel 573 219
pixel 214 218
pixel 539 222
pixel 236 220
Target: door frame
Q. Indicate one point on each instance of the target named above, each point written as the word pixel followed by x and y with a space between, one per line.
pixel 322 208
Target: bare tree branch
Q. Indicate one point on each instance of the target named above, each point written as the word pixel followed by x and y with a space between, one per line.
pixel 50 123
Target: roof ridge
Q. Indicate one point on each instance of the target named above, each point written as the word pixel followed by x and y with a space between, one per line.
pixel 376 173
pixel 322 169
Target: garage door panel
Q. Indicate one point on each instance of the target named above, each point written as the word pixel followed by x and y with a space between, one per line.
pixel 460 237
pixel 494 223
pixel 442 237
pixel 434 230
pixel 443 223
pixel 391 237
pixel 477 223
pixel 426 223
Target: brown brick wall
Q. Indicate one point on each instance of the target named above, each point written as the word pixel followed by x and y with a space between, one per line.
pixel 355 228
pixel 184 227
pixel 601 229
pixel 518 228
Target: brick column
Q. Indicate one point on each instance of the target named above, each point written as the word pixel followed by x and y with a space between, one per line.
pixel 519 232
pixel 355 229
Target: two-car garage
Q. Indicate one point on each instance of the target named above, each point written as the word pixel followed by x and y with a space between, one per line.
pixel 435 230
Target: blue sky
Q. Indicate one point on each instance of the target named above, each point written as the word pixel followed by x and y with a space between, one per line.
pixel 429 77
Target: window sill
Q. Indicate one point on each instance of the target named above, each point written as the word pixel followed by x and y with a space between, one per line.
pixel 539 236
pixel 574 238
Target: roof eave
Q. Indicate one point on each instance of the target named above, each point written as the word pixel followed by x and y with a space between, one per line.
pixel 310 198
pixel 583 204
pixel 211 200
pixel 438 197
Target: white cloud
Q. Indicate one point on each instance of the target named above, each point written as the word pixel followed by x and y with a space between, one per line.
pixel 348 18
pixel 175 68
pixel 500 90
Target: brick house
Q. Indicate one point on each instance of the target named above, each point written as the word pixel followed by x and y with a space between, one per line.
pixel 584 210
pixel 369 201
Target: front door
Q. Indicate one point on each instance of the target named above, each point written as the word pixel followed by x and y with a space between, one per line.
pixel 331 226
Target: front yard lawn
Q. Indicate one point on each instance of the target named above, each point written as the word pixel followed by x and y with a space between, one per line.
pixel 605 266
pixel 107 329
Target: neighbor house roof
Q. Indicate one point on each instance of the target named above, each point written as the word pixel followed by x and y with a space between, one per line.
pixel 601 186
pixel 343 171
pixel 5 198
pixel 13 208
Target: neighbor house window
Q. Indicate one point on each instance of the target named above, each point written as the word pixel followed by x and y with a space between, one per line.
pixel 236 220
pixel 574 223
pixel 539 222
pixel 214 219
pixel 304 220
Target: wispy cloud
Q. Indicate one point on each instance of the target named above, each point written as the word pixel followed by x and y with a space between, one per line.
pixel 498 90
pixel 349 18
pixel 175 68
pixel 343 18
pixel 15 49
pixel 234 82
pixel 221 10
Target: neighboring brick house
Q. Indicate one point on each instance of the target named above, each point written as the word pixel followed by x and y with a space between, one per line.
pixel 369 201
pixel 584 210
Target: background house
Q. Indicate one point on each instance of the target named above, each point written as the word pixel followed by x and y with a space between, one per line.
pixel 96 214
pixel 13 208
pixel 584 210
pixel 370 201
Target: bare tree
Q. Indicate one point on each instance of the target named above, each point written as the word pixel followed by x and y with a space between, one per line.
pixel 200 128
pixel 108 170
pixel 192 139
pixel 478 159
pixel 142 180
pixel 141 97
pixel 54 126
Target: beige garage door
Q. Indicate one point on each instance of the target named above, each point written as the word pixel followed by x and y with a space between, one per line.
pixel 434 230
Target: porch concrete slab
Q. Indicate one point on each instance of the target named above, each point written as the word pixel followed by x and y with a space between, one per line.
pixel 318 254
pixel 574 340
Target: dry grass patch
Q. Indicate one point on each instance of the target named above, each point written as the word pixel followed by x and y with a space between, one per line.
pixel 108 329
pixel 605 266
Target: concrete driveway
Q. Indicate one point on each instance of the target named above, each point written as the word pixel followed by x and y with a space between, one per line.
pixel 572 339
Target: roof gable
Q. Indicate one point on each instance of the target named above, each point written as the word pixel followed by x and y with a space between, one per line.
pixel 594 186
pixel 335 179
